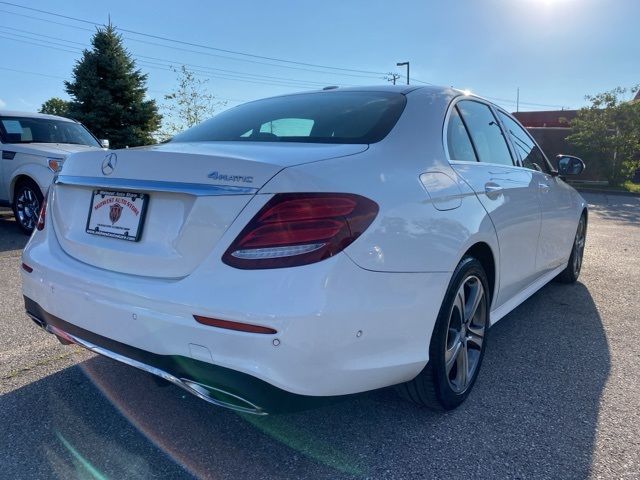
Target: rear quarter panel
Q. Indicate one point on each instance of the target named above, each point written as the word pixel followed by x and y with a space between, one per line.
pixel 411 232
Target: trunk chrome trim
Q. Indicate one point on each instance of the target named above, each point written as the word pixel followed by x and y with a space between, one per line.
pixel 204 392
pixel 198 189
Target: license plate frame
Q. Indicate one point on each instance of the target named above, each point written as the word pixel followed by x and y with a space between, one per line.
pixel 127 202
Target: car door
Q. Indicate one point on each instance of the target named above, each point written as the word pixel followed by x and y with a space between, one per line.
pixel 556 201
pixel 508 193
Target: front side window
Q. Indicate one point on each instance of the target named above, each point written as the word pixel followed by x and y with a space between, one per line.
pixel 44 130
pixel 458 141
pixel 530 154
pixel 321 117
pixel 485 132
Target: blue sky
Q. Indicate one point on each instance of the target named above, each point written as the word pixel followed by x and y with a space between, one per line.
pixel 555 51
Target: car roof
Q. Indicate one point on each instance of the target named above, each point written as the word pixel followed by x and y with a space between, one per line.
pixel 403 89
pixel 11 113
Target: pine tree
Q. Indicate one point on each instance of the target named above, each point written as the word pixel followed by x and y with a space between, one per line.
pixel 108 93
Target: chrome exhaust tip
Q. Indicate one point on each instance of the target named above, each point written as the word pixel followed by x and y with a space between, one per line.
pixel 37 321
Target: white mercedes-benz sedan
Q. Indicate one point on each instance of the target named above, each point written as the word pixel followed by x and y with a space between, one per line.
pixel 308 246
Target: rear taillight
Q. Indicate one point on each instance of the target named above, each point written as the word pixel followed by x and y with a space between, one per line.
pixel 295 229
pixel 43 214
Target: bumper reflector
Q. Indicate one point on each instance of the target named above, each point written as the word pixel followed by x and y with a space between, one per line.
pixel 27 268
pixel 238 326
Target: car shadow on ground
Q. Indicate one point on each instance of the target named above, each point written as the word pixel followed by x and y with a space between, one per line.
pixel 533 413
pixel 11 238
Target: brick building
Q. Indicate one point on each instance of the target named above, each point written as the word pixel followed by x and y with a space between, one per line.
pixel 551 129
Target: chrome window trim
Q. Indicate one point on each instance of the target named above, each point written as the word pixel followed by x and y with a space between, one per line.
pixel 520 164
pixel 493 109
pixel 199 189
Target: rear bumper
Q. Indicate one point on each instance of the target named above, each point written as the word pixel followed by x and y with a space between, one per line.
pixel 340 329
pixel 217 385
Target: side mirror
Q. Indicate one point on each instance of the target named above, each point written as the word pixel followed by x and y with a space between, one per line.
pixel 105 143
pixel 569 165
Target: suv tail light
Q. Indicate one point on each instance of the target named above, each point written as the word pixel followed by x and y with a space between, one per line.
pixel 295 229
pixel 43 213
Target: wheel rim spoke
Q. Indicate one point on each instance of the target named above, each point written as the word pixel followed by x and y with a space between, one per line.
pixel 460 302
pixel 463 367
pixel 451 355
pixel 476 293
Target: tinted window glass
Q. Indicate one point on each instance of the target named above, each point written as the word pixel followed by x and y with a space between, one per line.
pixel 44 130
pixel 322 117
pixel 288 127
pixel 485 132
pixel 460 147
pixel 529 153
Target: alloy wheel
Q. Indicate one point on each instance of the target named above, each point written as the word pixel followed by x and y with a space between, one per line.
pixel 27 208
pixel 578 246
pixel 465 335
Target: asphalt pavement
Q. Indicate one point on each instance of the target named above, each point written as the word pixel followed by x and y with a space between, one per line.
pixel 558 397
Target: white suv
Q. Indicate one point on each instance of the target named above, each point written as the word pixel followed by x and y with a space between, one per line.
pixel 34 146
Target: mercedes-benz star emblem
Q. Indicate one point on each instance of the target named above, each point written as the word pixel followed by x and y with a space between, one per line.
pixel 109 163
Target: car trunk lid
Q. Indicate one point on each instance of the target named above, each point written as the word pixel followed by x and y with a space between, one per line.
pixel 187 194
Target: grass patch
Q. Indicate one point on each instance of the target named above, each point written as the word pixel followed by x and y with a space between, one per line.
pixel 629 186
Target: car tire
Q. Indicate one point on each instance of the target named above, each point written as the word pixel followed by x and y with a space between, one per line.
pixel 27 200
pixel 571 273
pixel 459 339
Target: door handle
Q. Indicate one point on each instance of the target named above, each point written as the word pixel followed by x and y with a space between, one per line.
pixel 492 188
pixel 544 187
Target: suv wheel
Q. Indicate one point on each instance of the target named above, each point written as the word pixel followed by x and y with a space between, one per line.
pixel 27 200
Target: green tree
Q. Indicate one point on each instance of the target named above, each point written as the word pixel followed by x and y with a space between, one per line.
pixel 55 106
pixel 189 104
pixel 108 93
pixel 608 131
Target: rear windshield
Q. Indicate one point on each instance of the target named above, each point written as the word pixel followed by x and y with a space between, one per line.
pixel 44 130
pixel 322 117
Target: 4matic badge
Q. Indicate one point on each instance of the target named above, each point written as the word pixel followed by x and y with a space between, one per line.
pixel 230 178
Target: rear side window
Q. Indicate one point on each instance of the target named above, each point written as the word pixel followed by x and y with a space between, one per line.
pixel 458 142
pixel 530 154
pixel 321 117
pixel 485 132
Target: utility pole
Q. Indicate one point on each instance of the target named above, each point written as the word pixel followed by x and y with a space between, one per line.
pixel 403 64
pixel 518 100
pixel 392 77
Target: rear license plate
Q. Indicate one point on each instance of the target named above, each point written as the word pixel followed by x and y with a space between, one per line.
pixel 117 214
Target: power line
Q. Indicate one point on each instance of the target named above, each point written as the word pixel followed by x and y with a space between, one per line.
pixel 167 61
pixel 511 101
pixel 299 65
pixel 192 44
pixel 75 52
pixel 167 67
pixel 208 54
pixel 31 73
pixel 422 81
